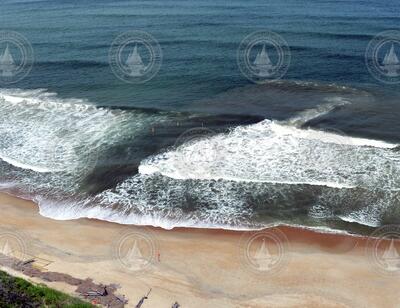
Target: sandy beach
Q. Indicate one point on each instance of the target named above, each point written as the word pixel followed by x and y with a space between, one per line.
pixel 203 268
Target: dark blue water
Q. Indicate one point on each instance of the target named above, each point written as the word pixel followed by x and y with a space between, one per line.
pixel 200 85
pixel 199 39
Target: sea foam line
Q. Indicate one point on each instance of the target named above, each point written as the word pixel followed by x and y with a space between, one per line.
pixel 270 152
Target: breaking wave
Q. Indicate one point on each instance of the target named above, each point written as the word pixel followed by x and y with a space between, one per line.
pixel 45 133
pixel 270 152
pixel 247 177
pixel 242 177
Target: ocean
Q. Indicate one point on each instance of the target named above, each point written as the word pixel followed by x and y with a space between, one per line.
pixel 200 144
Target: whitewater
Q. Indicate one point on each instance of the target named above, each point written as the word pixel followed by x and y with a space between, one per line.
pixel 227 179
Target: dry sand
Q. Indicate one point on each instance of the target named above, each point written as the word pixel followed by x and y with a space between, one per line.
pixel 204 268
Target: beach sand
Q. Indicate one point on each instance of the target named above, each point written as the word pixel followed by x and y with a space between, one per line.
pixel 204 268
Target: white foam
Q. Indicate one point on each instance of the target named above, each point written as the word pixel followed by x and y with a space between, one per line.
pixel 309 114
pixel 18 164
pixel 45 133
pixel 333 136
pixel 76 210
pixel 227 167
pixel 274 153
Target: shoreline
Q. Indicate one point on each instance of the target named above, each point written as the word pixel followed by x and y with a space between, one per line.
pixel 204 267
pixel 316 229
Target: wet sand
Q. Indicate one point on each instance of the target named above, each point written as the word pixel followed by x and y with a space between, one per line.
pixel 201 267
